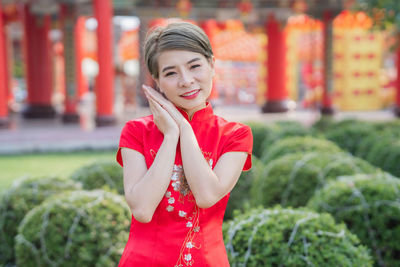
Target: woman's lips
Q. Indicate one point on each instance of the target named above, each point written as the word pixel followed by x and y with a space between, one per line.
pixel 190 95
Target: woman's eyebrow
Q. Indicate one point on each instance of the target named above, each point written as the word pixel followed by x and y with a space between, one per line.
pixel 167 68
pixel 193 60
pixel 172 67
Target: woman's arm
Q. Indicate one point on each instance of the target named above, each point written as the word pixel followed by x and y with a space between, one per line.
pixel 145 188
pixel 208 186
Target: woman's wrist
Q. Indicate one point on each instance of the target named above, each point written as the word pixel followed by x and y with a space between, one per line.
pixel 184 125
pixel 171 136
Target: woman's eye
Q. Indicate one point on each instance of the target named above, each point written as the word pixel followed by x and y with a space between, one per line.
pixel 169 73
pixel 195 66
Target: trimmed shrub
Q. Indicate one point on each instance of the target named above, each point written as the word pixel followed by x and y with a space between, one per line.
pixel 18 200
pixel 288 237
pixel 292 179
pixel 348 136
pixel 323 124
pixel 239 198
pixel 261 131
pixel 370 206
pixel 303 144
pixel 100 175
pixel 393 126
pixel 327 123
pixel 385 153
pixel 80 228
pixel 283 129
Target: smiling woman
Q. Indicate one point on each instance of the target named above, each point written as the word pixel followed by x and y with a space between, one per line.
pixel 185 79
pixel 181 162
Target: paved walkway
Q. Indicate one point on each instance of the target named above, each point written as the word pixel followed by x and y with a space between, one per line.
pixel 52 135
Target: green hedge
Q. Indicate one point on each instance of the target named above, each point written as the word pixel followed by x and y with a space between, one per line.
pixel 327 123
pixel 239 198
pixel 261 131
pixel 100 175
pixel 291 145
pixel 370 206
pixel 264 135
pixel 348 136
pixel 288 237
pixel 292 179
pixel 80 228
pixel 24 194
pixel 283 129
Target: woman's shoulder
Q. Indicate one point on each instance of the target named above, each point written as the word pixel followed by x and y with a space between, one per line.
pixel 231 126
pixel 142 122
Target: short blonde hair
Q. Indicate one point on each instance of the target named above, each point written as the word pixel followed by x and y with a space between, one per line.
pixel 174 36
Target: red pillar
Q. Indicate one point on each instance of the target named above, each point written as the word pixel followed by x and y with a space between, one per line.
pixel 276 94
pixel 81 82
pixel 3 75
pixel 105 79
pixel 327 28
pixel 38 66
pixel 71 93
pixel 397 103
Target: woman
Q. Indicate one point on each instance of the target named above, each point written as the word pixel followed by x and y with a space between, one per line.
pixel 181 162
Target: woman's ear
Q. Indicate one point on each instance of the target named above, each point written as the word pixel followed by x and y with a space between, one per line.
pixel 157 84
pixel 212 64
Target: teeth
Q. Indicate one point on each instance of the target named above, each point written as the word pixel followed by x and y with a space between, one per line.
pixel 190 93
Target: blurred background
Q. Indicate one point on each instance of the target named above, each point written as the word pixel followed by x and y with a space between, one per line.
pixel 316 80
pixel 80 61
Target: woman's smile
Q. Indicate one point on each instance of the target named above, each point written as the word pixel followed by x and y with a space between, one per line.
pixel 191 94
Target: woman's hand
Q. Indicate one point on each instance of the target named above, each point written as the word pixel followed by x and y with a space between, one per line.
pixel 165 104
pixel 164 121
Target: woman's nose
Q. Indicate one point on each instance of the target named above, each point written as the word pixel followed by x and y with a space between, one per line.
pixel 186 79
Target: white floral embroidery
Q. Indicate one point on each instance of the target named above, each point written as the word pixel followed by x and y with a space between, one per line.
pixel 170 208
pixel 188 257
pixel 171 200
pixel 196 229
pixel 168 194
pixel 189 245
pixel 175 185
pixel 177 168
pixel 182 213
pixel 174 176
pixel 210 162
pixel 189 224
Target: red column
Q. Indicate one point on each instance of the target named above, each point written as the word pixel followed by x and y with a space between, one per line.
pixel 105 79
pixel 38 66
pixel 276 94
pixel 327 28
pixel 81 82
pixel 3 75
pixel 397 103
pixel 71 93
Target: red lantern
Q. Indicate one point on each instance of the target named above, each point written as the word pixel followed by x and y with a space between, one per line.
pixel 245 7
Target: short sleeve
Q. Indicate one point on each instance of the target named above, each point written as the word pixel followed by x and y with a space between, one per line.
pixel 240 140
pixel 131 137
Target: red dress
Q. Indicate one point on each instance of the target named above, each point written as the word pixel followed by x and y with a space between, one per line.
pixel 180 233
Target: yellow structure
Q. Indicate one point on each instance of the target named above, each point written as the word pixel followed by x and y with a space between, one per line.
pixel 357 63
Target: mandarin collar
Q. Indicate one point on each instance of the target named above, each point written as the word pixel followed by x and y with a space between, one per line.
pixel 200 115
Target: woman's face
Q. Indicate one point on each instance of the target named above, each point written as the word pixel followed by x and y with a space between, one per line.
pixel 185 78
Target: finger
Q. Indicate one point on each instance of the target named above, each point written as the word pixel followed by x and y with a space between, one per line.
pixel 151 92
pixel 156 106
pixel 164 103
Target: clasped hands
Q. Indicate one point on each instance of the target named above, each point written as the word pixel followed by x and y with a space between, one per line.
pixel 166 116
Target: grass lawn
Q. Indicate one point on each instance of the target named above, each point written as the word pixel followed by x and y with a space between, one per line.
pixel 61 164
